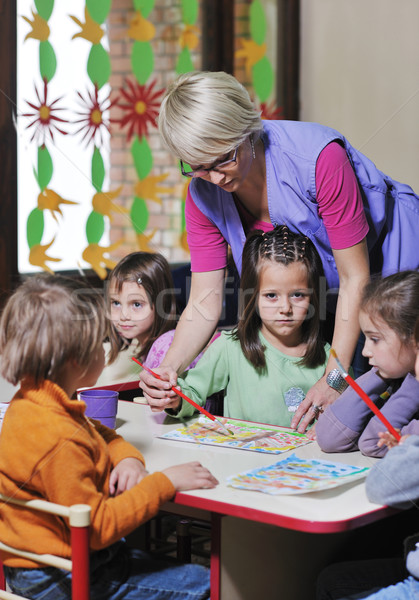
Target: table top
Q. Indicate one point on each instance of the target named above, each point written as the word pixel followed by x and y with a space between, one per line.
pixel 339 509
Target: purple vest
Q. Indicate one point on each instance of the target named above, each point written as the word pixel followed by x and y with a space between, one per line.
pixel 291 152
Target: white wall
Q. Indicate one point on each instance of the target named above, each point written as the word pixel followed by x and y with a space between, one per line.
pixel 360 75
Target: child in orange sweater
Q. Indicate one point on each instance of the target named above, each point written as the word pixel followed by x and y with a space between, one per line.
pixel 51 335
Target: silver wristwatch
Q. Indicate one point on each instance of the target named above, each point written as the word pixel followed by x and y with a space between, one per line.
pixel 335 380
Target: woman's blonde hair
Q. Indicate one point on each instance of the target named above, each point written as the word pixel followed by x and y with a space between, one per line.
pixel 48 321
pixel 205 115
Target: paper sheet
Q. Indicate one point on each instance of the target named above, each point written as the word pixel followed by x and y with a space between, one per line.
pixel 246 436
pixel 294 475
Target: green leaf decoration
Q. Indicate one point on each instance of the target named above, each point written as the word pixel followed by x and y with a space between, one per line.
pixel 44 8
pixel 98 9
pixel 257 22
pixel 47 60
pixel 182 217
pixel 263 78
pixel 95 227
pixel 35 227
pixel 98 170
pixel 189 11
pixel 184 62
pixel 45 167
pixel 142 61
pixel 144 6
pixel 139 215
pixel 98 65
pixel 143 159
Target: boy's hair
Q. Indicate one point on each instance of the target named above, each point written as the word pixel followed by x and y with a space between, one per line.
pixel 48 321
pixel 205 114
pixel 394 300
pixel 282 246
pixel 156 278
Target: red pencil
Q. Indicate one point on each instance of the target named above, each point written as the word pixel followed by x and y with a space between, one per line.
pixel 180 393
pixel 365 397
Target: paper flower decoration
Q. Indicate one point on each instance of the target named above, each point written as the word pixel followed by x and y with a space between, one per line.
pixel 102 203
pixel 143 241
pixel 50 200
pixel 38 256
pixel 189 37
pixel 94 255
pixel 44 116
pixel 90 30
pixel 252 53
pixel 140 106
pixel 270 112
pixel 93 120
pixel 149 188
pixel 40 28
pixel 140 29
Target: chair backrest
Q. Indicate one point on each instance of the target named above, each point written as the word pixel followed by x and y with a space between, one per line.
pixel 78 516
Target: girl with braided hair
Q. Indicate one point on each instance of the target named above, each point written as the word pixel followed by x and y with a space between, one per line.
pixel 271 359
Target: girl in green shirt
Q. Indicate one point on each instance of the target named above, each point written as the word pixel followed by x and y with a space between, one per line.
pixel 276 353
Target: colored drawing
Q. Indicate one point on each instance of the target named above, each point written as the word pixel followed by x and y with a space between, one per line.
pixel 246 436
pixel 295 475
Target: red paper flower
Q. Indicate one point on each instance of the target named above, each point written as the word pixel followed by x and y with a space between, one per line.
pixel 93 120
pixel 45 118
pixel 272 112
pixel 140 107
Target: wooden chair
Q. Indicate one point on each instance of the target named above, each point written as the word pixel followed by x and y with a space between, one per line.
pixel 78 516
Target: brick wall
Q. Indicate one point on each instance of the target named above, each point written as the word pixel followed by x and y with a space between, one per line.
pixel 165 217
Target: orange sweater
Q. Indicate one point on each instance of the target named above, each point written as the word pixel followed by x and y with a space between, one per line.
pixel 50 451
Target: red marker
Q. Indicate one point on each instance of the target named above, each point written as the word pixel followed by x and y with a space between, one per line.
pixel 182 395
pixel 365 397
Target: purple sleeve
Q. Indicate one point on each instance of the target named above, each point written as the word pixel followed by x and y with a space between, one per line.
pixel 399 410
pixel 340 426
pixel 159 350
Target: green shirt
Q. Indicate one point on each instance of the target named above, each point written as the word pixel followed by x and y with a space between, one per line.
pixel 271 397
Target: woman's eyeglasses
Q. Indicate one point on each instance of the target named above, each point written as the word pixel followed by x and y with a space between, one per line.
pixel 201 172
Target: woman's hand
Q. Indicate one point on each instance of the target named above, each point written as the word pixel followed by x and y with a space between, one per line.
pixel 158 392
pixel 315 402
pixel 190 476
pixel 127 473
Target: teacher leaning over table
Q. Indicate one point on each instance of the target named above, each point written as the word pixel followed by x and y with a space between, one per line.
pixel 252 174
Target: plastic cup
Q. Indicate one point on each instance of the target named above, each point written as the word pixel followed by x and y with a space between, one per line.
pixel 101 405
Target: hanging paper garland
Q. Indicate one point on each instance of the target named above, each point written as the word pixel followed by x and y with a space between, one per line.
pixel 188 40
pixel 44 121
pixel 140 104
pixel 258 67
pixel 93 123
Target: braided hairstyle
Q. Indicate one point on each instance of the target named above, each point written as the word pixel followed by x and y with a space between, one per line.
pixel 283 246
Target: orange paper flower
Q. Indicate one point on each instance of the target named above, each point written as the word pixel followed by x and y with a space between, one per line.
pixel 40 28
pixel 94 255
pixel 38 256
pixel 149 187
pixel 90 30
pixel 50 200
pixel 102 203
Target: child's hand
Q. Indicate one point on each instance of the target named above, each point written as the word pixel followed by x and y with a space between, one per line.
pixel 158 392
pixel 388 439
pixel 190 476
pixel 127 473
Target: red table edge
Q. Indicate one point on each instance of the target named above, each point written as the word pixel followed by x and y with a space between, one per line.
pixel 260 516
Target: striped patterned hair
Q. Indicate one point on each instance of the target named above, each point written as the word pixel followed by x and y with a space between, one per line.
pixel 283 246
